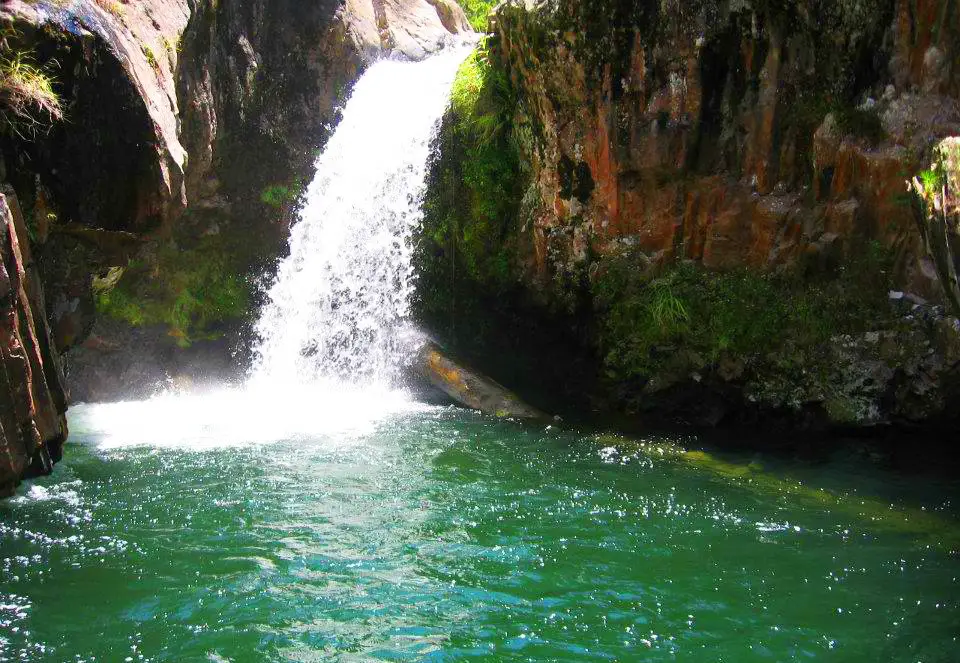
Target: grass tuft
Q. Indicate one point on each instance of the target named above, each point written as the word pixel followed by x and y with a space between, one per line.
pixel 477 12
pixel 29 105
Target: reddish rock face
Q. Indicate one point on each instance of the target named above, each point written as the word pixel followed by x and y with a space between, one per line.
pixel 730 136
pixel 32 403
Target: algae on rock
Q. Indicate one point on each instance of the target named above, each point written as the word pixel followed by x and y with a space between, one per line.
pixel 197 293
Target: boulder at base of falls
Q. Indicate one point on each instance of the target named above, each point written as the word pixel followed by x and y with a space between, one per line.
pixel 32 403
pixel 469 388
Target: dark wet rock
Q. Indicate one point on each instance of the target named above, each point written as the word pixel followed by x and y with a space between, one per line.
pixel 118 362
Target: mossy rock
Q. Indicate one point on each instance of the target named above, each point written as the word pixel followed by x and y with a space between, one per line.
pixel 193 292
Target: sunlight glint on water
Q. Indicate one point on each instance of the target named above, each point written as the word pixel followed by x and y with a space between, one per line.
pixel 447 535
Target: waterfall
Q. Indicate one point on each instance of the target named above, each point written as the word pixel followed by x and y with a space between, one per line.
pixel 338 309
pixel 335 325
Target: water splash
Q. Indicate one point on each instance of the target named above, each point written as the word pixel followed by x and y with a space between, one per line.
pixel 338 309
pixel 226 417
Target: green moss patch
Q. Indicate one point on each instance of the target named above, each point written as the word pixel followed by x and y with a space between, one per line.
pixel 191 292
pixel 646 315
pixel 280 196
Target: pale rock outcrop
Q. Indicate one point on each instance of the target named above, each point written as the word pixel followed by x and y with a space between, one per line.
pixel 411 28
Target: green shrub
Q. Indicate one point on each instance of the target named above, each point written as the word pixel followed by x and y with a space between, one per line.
pixel 477 12
pixel 931 181
pixel 150 55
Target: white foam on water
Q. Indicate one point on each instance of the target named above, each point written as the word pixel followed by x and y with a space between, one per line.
pixel 62 492
pixel 241 416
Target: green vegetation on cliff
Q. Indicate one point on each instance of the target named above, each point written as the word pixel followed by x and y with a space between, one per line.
pixel 647 315
pixel 936 196
pixel 477 12
pixel 28 102
pixel 475 187
pixel 280 196
pixel 480 106
pixel 192 292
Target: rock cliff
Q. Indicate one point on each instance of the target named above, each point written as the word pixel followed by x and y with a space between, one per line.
pixel 32 400
pixel 711 204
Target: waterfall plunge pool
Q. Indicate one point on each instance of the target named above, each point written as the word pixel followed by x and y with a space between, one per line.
pixel 438 534
pixel 300 518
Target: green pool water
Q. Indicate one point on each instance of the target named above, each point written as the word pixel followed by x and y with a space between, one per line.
pixel 437 534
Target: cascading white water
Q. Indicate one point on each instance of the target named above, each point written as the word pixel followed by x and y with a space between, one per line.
pixel 335 325
pixel 340 302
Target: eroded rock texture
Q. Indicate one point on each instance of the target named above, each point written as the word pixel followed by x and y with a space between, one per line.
pixel 750 133
pixel 32 401
pixel 712 207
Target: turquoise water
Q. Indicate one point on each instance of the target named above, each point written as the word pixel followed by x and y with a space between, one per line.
pixel 437 534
